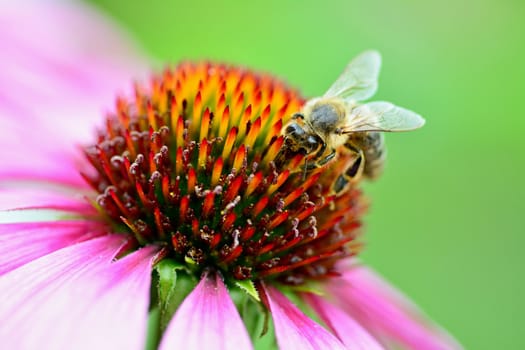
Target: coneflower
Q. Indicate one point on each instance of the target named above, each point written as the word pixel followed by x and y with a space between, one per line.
pixel 175 227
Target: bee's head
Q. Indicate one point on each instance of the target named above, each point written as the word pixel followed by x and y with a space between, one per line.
pixel 298 139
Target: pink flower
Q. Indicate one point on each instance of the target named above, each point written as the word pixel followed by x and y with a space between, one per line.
pixel 171 224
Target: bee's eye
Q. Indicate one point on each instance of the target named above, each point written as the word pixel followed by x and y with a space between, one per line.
pixel 294 129
pixel 312 142
pixel 298 116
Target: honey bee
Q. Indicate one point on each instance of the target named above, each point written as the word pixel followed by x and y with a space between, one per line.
pixel 337 122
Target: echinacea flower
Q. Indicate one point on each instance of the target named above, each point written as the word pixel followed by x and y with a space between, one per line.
pixel 172 225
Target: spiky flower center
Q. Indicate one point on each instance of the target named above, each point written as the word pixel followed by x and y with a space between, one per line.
pixel 188 164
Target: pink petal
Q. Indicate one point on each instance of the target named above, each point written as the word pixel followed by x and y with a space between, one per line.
pixel 66 60
pixel 351 333
pixel 207 319
pixel 76 298
pixel 39 197
pixel 31 162
pixel 21 243
pixel 55 85
pixel 385 311
pixel 295 330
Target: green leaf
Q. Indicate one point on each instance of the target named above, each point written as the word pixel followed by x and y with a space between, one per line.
pixel 249 288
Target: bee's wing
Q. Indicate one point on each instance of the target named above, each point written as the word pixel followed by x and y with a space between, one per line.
pixel 359 80
pixel 382 116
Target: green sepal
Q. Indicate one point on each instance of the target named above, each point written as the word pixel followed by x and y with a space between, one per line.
pixel 309 287
pixel 174 284
pixel 249 288
pixel 189 260
pixel 153 330
pixel 167 274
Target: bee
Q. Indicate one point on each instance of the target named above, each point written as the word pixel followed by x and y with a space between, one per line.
pixel 337 122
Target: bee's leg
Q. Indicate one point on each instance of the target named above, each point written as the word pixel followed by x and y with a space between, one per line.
pixel 314 165
pixel 327 158
pixel 356 168
pixel 280 158
pixel 321 150
pixel 340 183
pixel 352 173
pixel 321 162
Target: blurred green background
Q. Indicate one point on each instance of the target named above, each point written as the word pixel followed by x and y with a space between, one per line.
pixel 446 222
